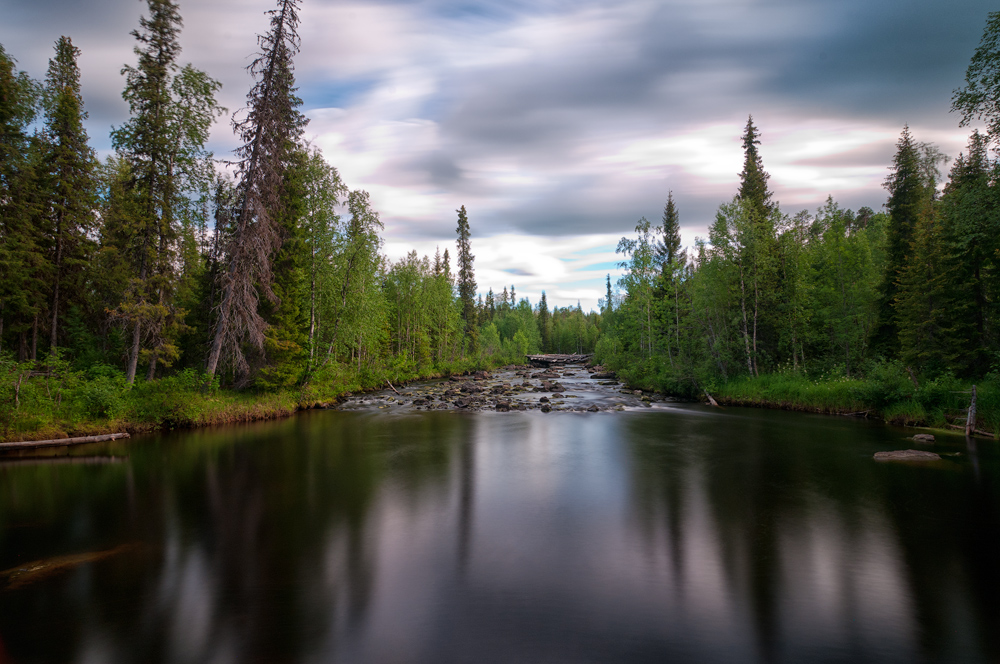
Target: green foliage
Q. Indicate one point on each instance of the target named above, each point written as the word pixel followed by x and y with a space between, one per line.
pixel 980 98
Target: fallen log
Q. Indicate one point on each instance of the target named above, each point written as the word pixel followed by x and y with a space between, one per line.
pixel 59 442
pixel 711 400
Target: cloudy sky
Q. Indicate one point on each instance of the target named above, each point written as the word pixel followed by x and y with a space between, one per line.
pixel 559 123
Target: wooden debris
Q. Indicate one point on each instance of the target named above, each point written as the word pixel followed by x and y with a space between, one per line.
pixel 711 400
pixel 59 442
pixel 549 360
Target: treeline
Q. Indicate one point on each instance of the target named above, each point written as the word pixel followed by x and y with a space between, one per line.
pixel 268 274
pixel 910 290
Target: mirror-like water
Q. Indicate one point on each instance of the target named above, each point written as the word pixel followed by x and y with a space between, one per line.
pixel 669 534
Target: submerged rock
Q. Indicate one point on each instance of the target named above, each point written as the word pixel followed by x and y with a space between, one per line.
pixel 923 438
pixel 907 455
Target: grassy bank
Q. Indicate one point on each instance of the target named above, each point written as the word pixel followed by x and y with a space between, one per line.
pixel 884 395
pixel 59 403
pixel 885 391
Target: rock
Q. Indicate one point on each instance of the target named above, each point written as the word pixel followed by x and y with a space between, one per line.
pixel 593 408
pixel 907 455
pixel 419 402
pixel 461 403
pixel 546 408
pixel 923 438
pixel 556 395
pixel 503 407
pixel 544 399
pixel 604 375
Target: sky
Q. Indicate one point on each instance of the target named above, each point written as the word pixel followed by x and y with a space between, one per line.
pixel 559 123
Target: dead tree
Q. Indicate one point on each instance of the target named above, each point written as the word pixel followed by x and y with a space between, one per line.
pixel 269 131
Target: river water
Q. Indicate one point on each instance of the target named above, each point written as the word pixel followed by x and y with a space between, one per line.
pixel 667 532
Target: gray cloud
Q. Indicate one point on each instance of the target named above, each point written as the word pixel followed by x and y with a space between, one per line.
pixel 652 68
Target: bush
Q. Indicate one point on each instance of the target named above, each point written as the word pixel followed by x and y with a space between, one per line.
pixel 101 398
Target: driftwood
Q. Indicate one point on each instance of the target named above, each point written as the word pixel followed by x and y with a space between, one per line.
pixel 59 442
pixel 711 400
pixel 979 432
pixel 390 386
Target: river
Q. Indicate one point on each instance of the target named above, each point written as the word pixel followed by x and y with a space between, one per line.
pixel 383 533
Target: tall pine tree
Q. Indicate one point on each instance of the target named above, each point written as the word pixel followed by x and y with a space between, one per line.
pixel 908 199
pixel 466 273
pixel 69 179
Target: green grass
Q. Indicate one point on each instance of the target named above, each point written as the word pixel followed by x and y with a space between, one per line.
pixel 79 403
pixel 885 393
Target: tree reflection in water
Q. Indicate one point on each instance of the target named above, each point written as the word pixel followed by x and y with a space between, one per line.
pixel 435 537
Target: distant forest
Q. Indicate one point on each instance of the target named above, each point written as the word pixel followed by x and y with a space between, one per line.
pixel 154 263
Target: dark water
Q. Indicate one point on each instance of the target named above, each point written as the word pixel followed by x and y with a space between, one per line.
pixel 675 534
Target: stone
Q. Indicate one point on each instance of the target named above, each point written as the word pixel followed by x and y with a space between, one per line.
pixel 503 407
pixel 923 438
pixel 556 395
pixel 544 399
pixel 907 455
pixel 604 375
pixel 593 408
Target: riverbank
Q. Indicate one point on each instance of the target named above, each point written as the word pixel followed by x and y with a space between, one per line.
pixel 69 404
pixel 887 392
pixel 941 403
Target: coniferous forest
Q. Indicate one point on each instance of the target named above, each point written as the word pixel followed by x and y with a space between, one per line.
pixel 168 286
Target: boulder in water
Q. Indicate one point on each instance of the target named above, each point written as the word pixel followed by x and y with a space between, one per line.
pixel 923 438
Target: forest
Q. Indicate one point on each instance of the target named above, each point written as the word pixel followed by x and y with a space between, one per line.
pixel 165 286
pixel 891 312
pixel 164 279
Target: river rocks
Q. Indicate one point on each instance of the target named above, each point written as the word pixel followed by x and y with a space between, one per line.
pixel 923 438
pixel 461 403
pixel 907 455
pixel 546 408
pixel 502 407
pixel 420 402
pixel 544 400
pixel 556 395
pixel 603 375
pixel 593 408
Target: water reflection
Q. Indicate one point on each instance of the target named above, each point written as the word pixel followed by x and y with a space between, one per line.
pixel 439 537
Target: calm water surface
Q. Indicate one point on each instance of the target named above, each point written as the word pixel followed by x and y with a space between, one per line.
pixel 675 534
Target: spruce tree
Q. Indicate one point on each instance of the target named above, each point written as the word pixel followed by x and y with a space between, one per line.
pixel 163 143
pixel 668 249
pixel 466 272
pixel 545 324
pixel 269 131
pixel 69 175
pixel 753 178
pixel 20 254
pixel 908 198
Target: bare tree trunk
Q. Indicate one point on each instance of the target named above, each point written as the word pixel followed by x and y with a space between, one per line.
pixel 34 338
pixel 55 286
pixel 133 356
pixel 970 421
pixel 152 367
pixel 746 330
pixel 312 309
pixel 756 310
